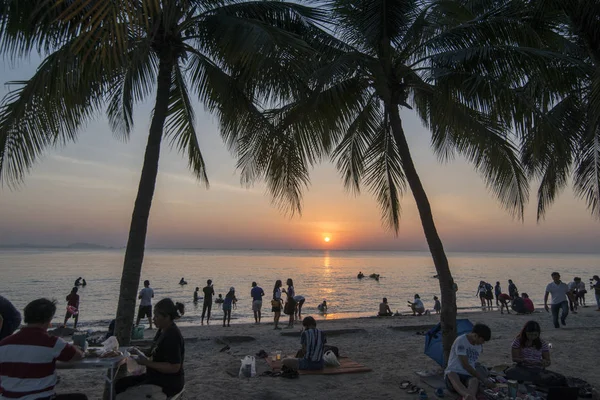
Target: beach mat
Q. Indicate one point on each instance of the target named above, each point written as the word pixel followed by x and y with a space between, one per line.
pixel 347 366
pixel 437 381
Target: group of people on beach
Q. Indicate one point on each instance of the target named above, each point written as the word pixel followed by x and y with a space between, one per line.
pixel 417 307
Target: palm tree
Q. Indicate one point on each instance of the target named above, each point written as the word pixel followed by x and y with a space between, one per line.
pixel 440 59
pixel 115 54
pixel 563 131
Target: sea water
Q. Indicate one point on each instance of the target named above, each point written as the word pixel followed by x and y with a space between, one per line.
pixel 32 273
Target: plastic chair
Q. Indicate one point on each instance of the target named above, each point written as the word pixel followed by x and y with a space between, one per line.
pixel 178 395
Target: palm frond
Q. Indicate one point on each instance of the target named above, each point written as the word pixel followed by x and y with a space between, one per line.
pixel 48 109
pixel 180 128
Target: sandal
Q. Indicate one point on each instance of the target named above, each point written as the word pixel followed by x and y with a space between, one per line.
pixel 413 389
pixel 405 385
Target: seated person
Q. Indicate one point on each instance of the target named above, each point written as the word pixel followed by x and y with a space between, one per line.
pixel 32 374
pixel 504 299
pixel 384 309
pixel 417 306
pixel 164 368
pixel 532 355
pixel 518 305
pixel 10 318
pixel 323 307
pixel 529 308
pixel 460 375
pixel 313 342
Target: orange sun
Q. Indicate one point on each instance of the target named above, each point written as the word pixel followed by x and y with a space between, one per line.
pixel 327 239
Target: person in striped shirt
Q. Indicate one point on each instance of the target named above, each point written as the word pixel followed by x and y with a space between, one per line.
pixel 313 342
pixel 28 357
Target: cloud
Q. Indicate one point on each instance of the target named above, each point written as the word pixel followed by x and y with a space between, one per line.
pixel 214 185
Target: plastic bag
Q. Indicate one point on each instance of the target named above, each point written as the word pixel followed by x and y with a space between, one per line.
pixel 330 359
pixel 134 368
pixel 248 368
pixel 109 346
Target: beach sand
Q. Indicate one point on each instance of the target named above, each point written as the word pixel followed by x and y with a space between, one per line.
pixel 389 346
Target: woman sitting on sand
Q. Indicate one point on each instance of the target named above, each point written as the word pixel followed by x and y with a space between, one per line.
pixel 313 343
pixel 532 355
pixel 164 368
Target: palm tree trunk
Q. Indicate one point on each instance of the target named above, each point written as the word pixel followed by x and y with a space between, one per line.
pixel 134 254
pixel 448 313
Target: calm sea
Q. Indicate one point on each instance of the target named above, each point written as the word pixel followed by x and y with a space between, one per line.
pixel 29 274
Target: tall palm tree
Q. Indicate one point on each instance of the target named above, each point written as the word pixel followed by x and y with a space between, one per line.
pixel 117 53
pixel 440 59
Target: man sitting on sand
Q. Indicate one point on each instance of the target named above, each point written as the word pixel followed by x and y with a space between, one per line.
pixel 417 306
pixel 313 342
pixel 28 358
pixel 461 376
pixel 384 309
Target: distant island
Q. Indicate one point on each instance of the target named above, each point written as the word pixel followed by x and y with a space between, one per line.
pixel 74 246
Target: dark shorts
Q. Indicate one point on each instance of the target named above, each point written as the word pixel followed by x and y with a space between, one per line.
pixel 276 309
pixel 145 311
pixel 464 379
pixel 305 364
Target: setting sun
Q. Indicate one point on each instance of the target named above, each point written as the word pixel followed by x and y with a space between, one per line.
pixel 327 238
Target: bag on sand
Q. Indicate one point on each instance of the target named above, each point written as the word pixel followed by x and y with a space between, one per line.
pixel 142 392
pixel 248 368
pixel 330 359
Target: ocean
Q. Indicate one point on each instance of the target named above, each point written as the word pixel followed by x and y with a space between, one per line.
pixel 27 274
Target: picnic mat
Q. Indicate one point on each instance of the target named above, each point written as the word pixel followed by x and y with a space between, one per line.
pixel 347 366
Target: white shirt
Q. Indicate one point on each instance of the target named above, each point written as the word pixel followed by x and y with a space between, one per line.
pixel 146 294
pixel 418 303
pixel 577 286
pixel 462 347
pixel 558 292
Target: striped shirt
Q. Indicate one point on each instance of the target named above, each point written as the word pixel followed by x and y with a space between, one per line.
pixel 314 341
pixel 28 364
pixel 530 355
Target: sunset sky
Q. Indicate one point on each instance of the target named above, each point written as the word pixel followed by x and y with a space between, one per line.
pixel 84 192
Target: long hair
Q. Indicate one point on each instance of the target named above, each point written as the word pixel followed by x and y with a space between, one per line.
pixel 168 308
pixel 531 326
pixel 278 284
pixel 289 282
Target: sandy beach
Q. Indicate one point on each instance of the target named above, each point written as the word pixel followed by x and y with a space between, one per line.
pixel 390 346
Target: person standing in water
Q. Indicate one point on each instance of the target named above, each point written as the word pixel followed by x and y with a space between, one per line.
pixel 228 305
pixel 209 292
pixel 72 307
pixel 196 294
pixel 145 310
pixel 497 293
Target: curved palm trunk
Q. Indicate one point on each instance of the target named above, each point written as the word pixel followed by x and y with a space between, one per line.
pixel 134 254
pixel 448 313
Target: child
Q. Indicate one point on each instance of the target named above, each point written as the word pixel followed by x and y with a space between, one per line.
pixel 227 305
pixel 437 307
pixel 323 307
pixel 461 376
pixel 196 294
pixel 219 300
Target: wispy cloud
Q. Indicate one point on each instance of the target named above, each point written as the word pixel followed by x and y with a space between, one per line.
pixel 214 185
pixel 78 182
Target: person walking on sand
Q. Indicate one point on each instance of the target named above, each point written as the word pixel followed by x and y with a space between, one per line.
pixel 257 294
pixel 290 303
pixel 72 307
pixel 209 292
pixel 560 293
pixel 276 303
pixel 497 292
pixel 577 289
pixel 228 305
pixel 146 295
